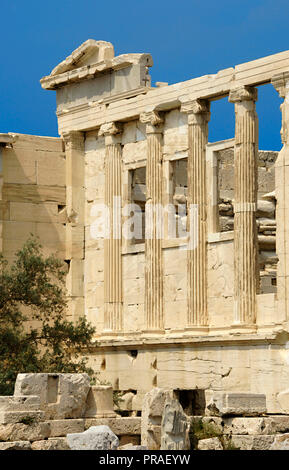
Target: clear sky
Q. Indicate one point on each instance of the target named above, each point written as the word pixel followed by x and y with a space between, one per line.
pixel 187 38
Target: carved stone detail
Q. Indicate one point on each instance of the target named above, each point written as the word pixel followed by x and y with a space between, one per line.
pixel 73 140
pixel 109 128
pixel 151 117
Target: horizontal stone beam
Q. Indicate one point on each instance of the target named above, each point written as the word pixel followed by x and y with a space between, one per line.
pixel 93 114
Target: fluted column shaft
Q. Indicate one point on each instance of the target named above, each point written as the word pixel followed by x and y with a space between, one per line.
pixel 281 84
pixel 246 266
pixel 198 118
pixel 74 228
pixel 113 299
pixel 153 237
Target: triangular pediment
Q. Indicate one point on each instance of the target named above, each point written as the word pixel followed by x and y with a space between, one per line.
pixel 90 52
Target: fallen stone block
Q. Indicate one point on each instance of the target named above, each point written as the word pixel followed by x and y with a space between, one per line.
pixel 62 427
pixel 234 403
pixel 278 423
pixel 250 442
pixel 21 403
pixel 99 402
pixel 212 443
pixel 152 411
pixel 132 447
pixel 137 401
pixel 125 403
pixel 94 438
pixel 50 444
pixel 120 426
pixel 16 445
pixel 61 395
pixel 245 426
pixel 174 427
pixel 280 442
pixel 25 417
pixel 283 400
pixel 24 432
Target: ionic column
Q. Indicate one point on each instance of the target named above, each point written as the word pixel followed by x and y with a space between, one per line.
pixel 281 84
pixel 75 208
pixel 113 300
pixel 153 241
pixel 198 118
pixel 245 204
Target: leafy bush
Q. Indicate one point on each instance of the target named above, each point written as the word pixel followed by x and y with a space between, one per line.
pixel 33 289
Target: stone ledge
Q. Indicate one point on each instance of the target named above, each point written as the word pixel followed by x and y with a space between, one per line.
pixel 278 336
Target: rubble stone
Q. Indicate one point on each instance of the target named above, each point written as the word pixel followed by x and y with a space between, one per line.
pixel 252 442
pixel 24 432
pixel 281 442
pixel 50 444
pixel 174 427
pixel 151 418
pixel 94 438
pixel 16 445
pixel 212 443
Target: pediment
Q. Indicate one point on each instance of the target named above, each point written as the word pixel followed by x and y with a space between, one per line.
pixel 88 53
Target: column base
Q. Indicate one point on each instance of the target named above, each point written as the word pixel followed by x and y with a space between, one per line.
pixel 197 329
pixel 243 328
pixel 153 332
pixel 111 333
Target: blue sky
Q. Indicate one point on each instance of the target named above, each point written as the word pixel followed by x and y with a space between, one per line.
pixel 187 38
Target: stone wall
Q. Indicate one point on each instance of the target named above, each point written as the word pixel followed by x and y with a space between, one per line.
pixel 33 194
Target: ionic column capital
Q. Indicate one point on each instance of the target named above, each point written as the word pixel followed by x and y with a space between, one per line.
pixel 281 83
pixel 243 93
pixel 111 131
pixel 153 121
pixel 198 111
pixel 73 140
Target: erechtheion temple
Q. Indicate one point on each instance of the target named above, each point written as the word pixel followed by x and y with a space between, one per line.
pixel 177 249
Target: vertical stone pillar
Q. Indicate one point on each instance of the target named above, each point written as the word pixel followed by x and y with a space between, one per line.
pixel 198 118
pixel 113 299
pixel 281 84
pixel 245 204
pixel 74 152
pixel 154 222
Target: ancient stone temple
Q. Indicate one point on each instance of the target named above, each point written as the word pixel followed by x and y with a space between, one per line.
pixel 177 249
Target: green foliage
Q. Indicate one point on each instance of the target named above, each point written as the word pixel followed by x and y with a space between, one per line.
pixel 117 397
pixel 35 284
pixel 202 430
pixel 27 420
pixel 199 429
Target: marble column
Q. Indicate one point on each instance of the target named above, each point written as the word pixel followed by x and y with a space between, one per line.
pixel 113 298
pixel 154 224
pixel 198 118
pixel 246 266
pixel 75 202
pixel 281 84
